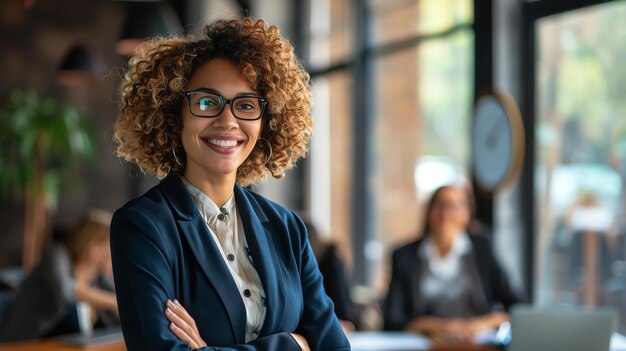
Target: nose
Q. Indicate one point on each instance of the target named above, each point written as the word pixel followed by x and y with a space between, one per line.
pixel 226 118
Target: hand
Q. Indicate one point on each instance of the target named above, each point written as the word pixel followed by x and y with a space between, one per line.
pixel 96 298
pixel 490 321
pixel 347 326
pixel 443 330
pixel 456 331
pixel 182 325
pixel 304 345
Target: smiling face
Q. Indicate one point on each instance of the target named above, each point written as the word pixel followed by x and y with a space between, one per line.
pixel 217 146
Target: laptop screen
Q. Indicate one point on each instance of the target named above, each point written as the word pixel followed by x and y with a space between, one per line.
pixel 561 328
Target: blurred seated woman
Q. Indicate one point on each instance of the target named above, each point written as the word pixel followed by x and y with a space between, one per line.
pixel 446 284
pixel 70 290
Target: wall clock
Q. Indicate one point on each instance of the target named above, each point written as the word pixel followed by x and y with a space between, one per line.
pixel 497 141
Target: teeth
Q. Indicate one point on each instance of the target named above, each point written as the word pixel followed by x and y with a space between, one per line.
pixel 223 143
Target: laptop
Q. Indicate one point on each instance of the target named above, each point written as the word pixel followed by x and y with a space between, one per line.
pixel 98 337
pixel 561 328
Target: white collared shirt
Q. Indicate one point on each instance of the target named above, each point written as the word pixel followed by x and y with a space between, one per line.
pixel 449 266
pixel 228 233
pixel 444 273
pixel 450 286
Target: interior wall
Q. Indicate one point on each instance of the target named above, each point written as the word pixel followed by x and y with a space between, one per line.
pixel 33 42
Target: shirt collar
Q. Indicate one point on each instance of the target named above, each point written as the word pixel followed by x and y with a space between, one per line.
pixel 448 267
pixel 210 208
pixel 460 246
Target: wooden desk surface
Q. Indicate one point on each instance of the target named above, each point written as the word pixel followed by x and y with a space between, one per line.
pixel 54 345
pixel 395 341
pixel 463 347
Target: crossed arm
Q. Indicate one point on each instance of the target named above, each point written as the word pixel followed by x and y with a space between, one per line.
pixel 184 327
pixel 144 282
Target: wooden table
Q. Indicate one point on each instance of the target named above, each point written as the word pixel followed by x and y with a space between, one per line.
pixel 54 345
pixel 398 341
pixel 464 347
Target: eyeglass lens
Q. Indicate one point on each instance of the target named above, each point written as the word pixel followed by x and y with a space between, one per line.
pixel 205 104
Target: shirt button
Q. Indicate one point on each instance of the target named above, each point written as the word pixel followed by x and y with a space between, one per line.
pixel 246 293
pixel 231 257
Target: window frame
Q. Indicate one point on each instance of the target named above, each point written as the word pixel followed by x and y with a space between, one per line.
pixel 533 11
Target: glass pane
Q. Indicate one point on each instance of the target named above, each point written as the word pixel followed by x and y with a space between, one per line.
pixel 423 102
pixel 446 88
pixel 580 140
pixel 331 159
pixel 332 32
pixel 401 19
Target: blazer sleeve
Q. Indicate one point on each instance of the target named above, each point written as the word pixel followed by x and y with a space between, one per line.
pixel 396 312
pixel 319 324
pixel 497 286
pixel 144 281
pixel 500 285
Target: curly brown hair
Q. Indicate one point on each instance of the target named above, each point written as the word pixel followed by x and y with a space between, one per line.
pixel 148 127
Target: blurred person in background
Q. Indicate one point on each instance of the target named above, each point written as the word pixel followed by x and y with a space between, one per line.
pixel 71 289
pixel 447 283
pixel 335 282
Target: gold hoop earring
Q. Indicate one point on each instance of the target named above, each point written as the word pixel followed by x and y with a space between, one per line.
pixel 176 158
pixel 269 147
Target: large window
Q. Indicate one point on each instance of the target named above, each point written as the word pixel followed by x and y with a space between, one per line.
pixel 330 179
pixel 397 20
pixel 332 32
pixel 404 74
pixel 331 159
pixel 580 164
pixel 423 103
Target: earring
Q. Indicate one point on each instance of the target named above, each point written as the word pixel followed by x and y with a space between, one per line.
pixel 269 147
pixel 176 158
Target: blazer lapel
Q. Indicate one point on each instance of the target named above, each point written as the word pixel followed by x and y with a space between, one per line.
pixel 206 252
pixel 258 231
pixel 418 266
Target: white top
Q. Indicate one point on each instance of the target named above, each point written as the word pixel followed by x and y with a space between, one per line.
pixel 446 284
pixel 227 231
pixel 84 318
pixel 449 266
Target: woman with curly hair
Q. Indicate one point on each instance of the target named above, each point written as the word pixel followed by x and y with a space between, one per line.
pixel 199 260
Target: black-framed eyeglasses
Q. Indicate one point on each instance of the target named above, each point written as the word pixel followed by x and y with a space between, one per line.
pixel 207 103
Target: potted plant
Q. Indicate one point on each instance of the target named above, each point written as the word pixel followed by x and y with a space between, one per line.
pixel 39 139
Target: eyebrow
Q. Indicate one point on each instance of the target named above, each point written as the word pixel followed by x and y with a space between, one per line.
pixel 215 91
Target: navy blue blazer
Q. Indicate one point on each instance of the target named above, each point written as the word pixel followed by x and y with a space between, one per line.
pixel 162 249
pixel 402 304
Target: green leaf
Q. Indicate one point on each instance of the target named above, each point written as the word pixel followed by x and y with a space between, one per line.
pixel 48 126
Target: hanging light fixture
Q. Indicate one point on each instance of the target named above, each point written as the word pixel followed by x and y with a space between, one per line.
pixel 145 20
pixel 78 67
